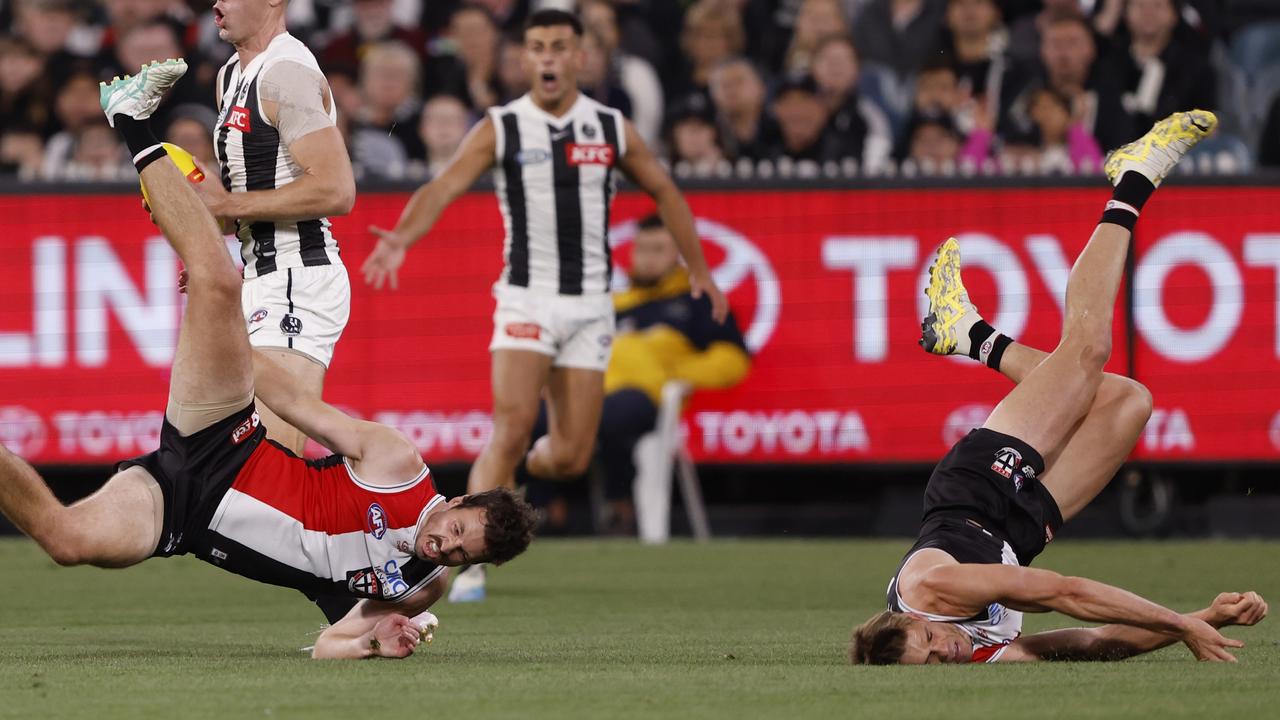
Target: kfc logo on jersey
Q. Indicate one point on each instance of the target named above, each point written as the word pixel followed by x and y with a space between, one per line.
pixel 1007 460
pixel 589 154
pixel 245 429
pixel 524 331
pixel 377 521
pixel 238 118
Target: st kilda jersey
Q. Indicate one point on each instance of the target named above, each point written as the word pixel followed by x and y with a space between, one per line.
pixel 555 181
pixel 252 156
pixel 314 525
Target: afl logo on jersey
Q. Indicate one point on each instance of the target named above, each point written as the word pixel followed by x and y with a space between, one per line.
pixel 377 521
pixel 238 118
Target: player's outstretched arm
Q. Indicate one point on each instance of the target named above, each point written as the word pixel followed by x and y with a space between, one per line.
pixel 644 170
pixel 1033 590
pixel 474 156
pixel 1117 642
pixel 378 629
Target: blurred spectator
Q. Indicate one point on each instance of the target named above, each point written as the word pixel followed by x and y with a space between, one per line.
pixel 156 40
pixel 634 74
pixel 1067 58
pixel 1269 150
pixel 863 128
pixel 976 42
pixel 48 26
pixel 124 16
pixel 474 36
pixel 1161 68
pixel 1025 32
pixel 513 80
pixel 445 121
pixel 816 20
pixel 738 94
pixel 94 154
pixel 76 105
pixel 597 78
pixel 900 34
pixel 693 138
pixel 24 91
pixel 712 34
pixel 191 128
pixel 937 89
pixel 1058 143
pixel 508 16
pixel 372 23
pixel 384 129
pixel 802 116
pixel 664 335
pixel 21 153
pixel 932 142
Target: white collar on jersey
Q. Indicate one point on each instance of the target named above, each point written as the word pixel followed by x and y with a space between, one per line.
pixel 558 122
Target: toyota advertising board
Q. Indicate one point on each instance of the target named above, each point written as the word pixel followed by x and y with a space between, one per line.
pixel 826 285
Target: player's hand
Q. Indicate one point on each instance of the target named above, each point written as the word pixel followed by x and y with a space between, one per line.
pixel 183 278
pixel 699 284
pixel 1233 608
pixel 396 636
pixel 1208 644
pixel 384 262
pixel 213 195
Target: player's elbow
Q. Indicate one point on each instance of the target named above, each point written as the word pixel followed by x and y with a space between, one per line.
pixel 343 196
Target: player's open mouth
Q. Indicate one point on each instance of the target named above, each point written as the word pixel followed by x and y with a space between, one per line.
pixel 431 549
pixel 549 81
pixel 217 17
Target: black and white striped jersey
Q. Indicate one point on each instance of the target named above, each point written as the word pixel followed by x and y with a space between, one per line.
pixel 555 181
pixel 253 157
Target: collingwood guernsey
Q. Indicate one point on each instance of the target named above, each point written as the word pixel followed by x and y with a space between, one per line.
pixel 254 155
pixel 554 178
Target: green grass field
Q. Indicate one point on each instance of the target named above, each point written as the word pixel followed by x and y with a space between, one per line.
pixel 602 630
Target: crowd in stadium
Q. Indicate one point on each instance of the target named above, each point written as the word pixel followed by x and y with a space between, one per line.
pixel 721 87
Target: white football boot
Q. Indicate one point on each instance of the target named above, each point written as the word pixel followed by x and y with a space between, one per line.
pixel 137 96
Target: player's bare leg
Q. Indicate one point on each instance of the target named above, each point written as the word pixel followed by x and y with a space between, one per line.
pixel 310 377
pixel 518 377
pixel 120 524
pixel 1044 408
pixel 575 397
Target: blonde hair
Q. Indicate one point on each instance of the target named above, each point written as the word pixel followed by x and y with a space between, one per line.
pixel 880 640
pixel 706 13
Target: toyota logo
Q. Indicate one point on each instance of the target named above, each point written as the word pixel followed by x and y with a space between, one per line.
pixel 21 431
pixel 742 262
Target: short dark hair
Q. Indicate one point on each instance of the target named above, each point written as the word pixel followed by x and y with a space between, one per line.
pixel 508 523
pixel 650 222
pixel 554 18
pixel 880 640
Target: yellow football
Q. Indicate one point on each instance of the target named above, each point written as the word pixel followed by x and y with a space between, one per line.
pixel 185 163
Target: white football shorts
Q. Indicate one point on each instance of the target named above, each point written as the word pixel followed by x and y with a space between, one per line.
pixel 302 309
pixel 576 330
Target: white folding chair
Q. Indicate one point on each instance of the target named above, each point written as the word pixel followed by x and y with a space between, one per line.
pixel 656 455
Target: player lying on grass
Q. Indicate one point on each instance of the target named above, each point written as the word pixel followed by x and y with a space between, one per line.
pixel 1045 452
pixel 365 522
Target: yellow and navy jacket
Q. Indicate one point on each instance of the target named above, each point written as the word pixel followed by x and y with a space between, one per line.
pixel 665 334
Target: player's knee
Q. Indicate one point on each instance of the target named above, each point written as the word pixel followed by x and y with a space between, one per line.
pixel 1137 402
pixel 1092 350
pixel 214 282
pixel 571 459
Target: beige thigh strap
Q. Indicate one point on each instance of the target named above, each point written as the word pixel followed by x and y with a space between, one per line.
pixel 190 418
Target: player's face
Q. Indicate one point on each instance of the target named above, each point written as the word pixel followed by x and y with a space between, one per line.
pixel 452 536
pixel 239 19
pixel 553 57
pixel 933 643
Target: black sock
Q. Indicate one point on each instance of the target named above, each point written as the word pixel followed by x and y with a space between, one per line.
pixel 143 145
pixel 1126 202
pixel 986 345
